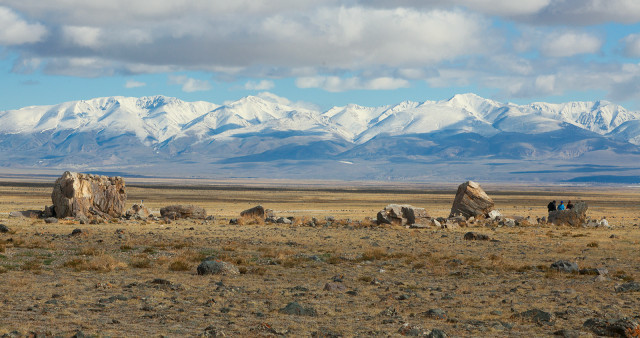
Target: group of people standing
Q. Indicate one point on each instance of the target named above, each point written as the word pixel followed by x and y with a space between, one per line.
pixel 552 206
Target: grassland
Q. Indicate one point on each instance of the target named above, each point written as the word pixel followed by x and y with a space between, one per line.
pixel 138 278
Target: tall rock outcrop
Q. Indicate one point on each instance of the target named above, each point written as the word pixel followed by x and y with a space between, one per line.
pixel 76 194
pixel 471 200
pixel 573 217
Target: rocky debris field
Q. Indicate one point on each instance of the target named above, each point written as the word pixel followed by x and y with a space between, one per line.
pixel 323 278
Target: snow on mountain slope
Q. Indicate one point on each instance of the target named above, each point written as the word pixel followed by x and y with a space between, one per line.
pixel 270 125
pixel 600 116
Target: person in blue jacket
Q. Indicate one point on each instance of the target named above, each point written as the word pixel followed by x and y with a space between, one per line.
pixel 561 206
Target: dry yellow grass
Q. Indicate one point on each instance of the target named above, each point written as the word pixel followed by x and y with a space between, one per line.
pixel 102 282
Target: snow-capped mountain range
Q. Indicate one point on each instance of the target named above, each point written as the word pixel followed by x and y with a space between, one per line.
pixel 268 135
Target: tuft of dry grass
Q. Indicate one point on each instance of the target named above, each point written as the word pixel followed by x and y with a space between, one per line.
pixel 179 265
pixel 99 263
pixel 374 254
pixel 593 244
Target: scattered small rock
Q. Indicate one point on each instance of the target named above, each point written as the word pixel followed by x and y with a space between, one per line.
pixel 473 236
pixel 217 268
pixel 594 271
pixel 212 331
pixel 294 308
pixel 334 287
pixel 565 333
pixel 436 314
pixel 565 266
pixel 622 327
pixel 628 287
pixel 76 232
pixel 51 220
pixel 536 316
pixel 4 228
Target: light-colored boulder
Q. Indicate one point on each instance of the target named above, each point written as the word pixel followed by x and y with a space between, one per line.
pixel 77 194
pixel 470 201
pixel 397 214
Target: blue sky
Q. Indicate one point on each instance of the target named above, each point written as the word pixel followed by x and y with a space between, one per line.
pixel 328 53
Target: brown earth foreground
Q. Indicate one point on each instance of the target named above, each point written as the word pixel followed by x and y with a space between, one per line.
pixel 138 278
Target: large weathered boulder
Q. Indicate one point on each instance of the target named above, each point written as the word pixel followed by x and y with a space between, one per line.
pixel 76 194
pixel 183 211
pixel 471 201
pixel 397 214
pixel 573 217
pixel 255 212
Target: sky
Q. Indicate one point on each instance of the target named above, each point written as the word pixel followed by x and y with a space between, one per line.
pixel 327 53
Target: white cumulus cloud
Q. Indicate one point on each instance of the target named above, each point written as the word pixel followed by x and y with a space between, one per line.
pixel 82 36
pixel 190 84
pixel 16 31
pixel 632 45
pixel 338 84
pixel 259 85
pixel 570 44
pixel 134 84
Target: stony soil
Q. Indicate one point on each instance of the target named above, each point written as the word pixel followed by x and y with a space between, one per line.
pixel 340 278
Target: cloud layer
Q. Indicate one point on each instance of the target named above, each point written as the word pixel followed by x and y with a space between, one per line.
pixel 519 48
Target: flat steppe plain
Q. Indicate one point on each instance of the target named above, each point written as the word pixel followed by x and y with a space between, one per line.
pixel 138 278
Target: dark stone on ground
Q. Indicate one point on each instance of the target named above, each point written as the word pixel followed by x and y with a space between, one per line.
pixel 473 236
pixel 76 232
pixel 565 333
pixel 4 228
pixel 51 220
pixel 257 212
pixel 622 327
pixel 536 316
pixel 183 211
pixel 217 268
pixel 436 314
pixel 294 308
pixel 628 287
pixel 565 266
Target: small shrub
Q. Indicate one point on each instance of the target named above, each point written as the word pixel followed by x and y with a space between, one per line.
pixel 333 260
pixel 90 251
pixel 374 254
pixel 126 247
pixel 366 279
pixel 75 263
pixel 149 250
pixel 179 265
pixel 592 245
pixel 32 265
pixel 419 265
pixel 3 269
pixel 141 263
pixel 2 248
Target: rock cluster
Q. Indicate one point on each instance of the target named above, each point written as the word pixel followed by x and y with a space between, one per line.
pixel 573 217
pixel 77 194
pixel 471 201
pixel 183 211
pixel 397 214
